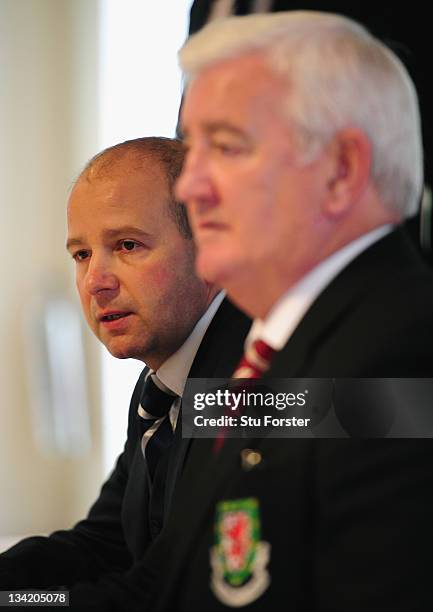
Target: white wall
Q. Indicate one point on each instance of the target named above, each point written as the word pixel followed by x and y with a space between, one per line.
pixel 48 115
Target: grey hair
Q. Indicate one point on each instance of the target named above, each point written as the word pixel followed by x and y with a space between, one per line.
pixel 338 76
pixel 168 152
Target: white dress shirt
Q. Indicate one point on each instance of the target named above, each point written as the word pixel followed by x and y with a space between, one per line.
pixel 289 310
pixel 172 374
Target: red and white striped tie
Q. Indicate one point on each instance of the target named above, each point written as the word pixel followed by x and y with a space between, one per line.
pixel 254 363
pixel 256 360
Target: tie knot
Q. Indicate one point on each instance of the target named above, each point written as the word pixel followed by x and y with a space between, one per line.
pixel 256 360
pixel 154 400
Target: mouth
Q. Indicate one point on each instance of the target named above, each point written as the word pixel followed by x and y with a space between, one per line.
pixel 114 317
pixel 110 319
pixel 211 226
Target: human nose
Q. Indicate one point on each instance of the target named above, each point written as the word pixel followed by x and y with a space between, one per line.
pixel 194 183
pixel 100 276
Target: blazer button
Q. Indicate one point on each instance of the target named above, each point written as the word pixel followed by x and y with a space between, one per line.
pixel 250 459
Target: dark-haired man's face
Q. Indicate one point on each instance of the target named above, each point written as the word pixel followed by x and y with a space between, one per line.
pixel 134 271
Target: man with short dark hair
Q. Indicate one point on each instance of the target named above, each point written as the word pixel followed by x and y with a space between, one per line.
pixel 134 260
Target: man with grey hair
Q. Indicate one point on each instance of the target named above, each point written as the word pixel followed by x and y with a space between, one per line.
pixel 304 156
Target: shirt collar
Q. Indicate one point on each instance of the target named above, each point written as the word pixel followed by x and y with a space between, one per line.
pixel 288 311
pixel 174 371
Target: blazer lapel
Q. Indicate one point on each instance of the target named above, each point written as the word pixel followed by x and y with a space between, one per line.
pixel 339 300
pixel 217 357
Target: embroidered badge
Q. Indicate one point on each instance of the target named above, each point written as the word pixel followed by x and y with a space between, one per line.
pixel 239 558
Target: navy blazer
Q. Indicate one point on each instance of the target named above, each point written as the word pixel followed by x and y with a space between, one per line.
pixel 346 523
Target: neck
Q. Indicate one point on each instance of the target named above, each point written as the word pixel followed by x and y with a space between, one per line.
pixel 256 293
pixel 212 292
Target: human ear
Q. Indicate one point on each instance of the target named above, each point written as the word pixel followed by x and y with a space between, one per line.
pixel 349 176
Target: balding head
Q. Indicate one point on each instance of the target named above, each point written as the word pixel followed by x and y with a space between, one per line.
pixel 134 156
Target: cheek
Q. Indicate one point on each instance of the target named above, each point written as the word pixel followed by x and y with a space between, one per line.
pixel 255 193
pixel 162 281
pixel 84 299
pixel 168 277
pixel 158 283
pixel 271 195
pixel 80 283
pixel 256 214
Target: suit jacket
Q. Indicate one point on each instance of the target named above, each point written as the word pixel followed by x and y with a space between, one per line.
pixel 104 548
pixel 340 524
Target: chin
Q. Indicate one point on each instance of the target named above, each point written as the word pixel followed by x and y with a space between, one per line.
pixel 209 271
pixel 221 267
pixel 122 351
pixel 212 267
pixel 120 354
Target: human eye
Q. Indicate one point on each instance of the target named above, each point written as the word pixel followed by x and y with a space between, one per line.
pixel 128 245
pixel 228 148
pixel 80 255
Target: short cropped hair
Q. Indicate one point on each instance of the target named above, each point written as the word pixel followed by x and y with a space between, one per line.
pixel 338 75
pixel 169 153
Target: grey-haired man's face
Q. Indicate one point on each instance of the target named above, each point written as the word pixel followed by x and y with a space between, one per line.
pixel 251 202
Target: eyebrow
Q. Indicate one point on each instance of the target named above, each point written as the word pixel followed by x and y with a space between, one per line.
pixel 73 242
pixel 224 126
pixel 111 233
pixel 220 126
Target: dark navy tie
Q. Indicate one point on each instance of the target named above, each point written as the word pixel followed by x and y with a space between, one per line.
pixel 155 406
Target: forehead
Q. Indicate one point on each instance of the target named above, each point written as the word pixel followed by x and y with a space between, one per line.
pixel 241 90
pixel 122 186
pixel 122 196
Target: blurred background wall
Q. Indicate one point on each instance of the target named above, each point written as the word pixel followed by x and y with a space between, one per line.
pixel 75 77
